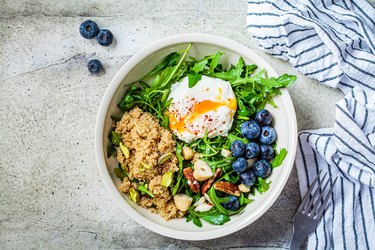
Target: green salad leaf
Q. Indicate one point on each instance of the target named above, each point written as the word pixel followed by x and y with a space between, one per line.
pixel 194 79
pixel 144 190
pixel 169 60
pixel 243 200
pixel 116 138
pixel 120 173
pixel 212 216
pixel 279 158
pixel 263 185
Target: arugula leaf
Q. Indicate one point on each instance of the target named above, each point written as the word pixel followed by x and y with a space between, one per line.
pixel 215 61
pixel 197 221
pixel 180 166
pixel 243 200
pixel 128 101
pixel 144 189
pixel 279 158
pixel 199 66
pixel 233 138
pixel 216 201
pixel 120 173
pixel 167 61
pixel 214 217
pixel 116 118
pixel 116 138
pixel 263 185
pixel 111 151
pixel 194 79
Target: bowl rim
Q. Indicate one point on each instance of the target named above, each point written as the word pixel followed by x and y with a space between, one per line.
pixel 99 137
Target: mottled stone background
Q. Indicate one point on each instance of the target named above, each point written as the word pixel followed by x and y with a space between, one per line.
pixel 51 193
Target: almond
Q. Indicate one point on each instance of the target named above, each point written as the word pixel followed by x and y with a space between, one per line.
pixel 182 201
pixel 226 153
pixel 204 207
pixel 243 188
pixel 202 171
pixel 200 201
pixel 187 153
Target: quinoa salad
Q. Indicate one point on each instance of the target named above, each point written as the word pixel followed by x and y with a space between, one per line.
pixel 195 140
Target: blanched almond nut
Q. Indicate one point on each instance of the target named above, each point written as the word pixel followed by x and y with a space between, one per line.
pixel 209 182
pixel 250 162
pixel 200 201
pixel 204 207
pixel 202 171
pixel 243 188
pixel 208 198
pixel 227 187
pixel 226 153
pixel 187 153
pixel 182 202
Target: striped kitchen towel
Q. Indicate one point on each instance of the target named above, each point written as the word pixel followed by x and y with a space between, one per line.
pixel 334 42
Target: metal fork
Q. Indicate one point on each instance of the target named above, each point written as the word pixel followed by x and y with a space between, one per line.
pixel 311 210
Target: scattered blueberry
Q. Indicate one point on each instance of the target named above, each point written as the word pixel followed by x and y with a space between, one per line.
pixel 267 152
pixel 252 150
pixel 237 148
pixel 104 37
pixel 239 165
pixel 233 204
pixel 262 168
pixel 268 135
pixel 88 29
pixel 250 130
pixel 263 117
pixel 248 178
pixel 94 66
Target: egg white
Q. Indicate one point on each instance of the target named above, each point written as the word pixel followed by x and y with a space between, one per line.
pixel 210 104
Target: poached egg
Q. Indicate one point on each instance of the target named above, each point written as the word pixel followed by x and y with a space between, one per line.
pixel 210 104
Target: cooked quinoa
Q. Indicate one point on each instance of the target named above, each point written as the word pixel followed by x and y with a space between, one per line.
pixel 147 141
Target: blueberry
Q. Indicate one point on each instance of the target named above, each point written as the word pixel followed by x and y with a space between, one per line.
pixel 268 135
pixel 263 117
pixel 233 204
pixel 239 165
pixel 88 29
pixel 252 150
pixel 248 178
pixel 237 148
pixel 267 152
pixel 104 37
pixel 250 130
pixel 94 66
pixel 262 168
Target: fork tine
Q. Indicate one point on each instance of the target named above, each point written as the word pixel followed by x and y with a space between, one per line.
pixel 318 214
pixel 318 190
pixel 307 195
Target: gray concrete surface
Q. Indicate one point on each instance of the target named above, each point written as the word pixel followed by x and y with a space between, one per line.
pixel 51 193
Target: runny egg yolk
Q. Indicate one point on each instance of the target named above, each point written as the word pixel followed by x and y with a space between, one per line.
pixel 198 109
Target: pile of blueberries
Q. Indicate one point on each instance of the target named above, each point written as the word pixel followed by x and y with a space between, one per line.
pixel 89 29
pixel 259 150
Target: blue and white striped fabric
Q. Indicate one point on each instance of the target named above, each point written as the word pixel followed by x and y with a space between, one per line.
pixel 333 42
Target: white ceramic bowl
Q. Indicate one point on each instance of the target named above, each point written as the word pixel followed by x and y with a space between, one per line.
pixel 203 44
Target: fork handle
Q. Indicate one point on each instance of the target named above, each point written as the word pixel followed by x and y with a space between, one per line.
pixel 296 241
